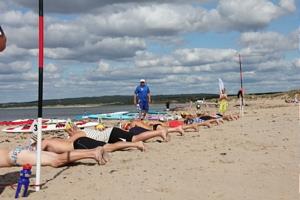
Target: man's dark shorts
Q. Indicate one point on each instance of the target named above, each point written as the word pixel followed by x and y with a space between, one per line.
pixel 144 106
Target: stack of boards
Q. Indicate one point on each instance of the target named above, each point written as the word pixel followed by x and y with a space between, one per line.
pixel 24 126
pixel 125 115
pixel 48 125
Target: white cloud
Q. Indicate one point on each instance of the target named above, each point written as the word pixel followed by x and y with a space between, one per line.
pixel 15 18
pixel 118 30
pixel 16 67
pixel 108 48
pixel 51 68
pixel 296 63
pixel 78 6
pixel 200 56
pixel 268 42
pixel 94 46
pixel 288 5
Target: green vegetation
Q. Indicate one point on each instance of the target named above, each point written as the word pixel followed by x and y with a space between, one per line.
pixel 126 100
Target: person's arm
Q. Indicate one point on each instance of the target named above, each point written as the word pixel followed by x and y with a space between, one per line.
pixel 149 96
pixel 134 98
pixel 223 96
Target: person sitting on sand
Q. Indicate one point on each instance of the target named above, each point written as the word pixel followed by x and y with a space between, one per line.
pixel 27 155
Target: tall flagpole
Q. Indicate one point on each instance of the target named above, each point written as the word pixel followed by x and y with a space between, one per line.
pixel 40 95
pixel 242 90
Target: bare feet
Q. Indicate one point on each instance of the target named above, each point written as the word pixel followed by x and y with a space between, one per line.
pixel 165 136
pixel 195 127
pixel 178 129
pixel 208 125
pixel 140 145
pixel 101 156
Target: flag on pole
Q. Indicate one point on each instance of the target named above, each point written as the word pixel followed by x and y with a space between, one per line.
pixel 221 85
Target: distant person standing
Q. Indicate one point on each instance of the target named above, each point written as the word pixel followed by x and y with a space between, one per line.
pixel 167 105
pixel 142 97
pixel 223 101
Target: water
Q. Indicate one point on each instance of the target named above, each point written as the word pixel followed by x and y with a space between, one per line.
pixel 67 112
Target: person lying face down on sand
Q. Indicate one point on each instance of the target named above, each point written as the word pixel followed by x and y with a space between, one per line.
pixel 113 134
pixel 59 145
pixel 201 120
pixel 112 139
pixel 140 126
pixel 214 118
pixel 227 117
pixel 27 155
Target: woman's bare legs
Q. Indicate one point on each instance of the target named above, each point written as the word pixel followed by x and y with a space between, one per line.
pixel 178 129
pixel 206 123
pixel 57 145
pixel 57 160
pixel 190 126
pixel 163 133
pixel 4 158
pixel 124 145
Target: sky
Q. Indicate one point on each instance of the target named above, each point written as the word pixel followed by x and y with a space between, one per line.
pixel 98 48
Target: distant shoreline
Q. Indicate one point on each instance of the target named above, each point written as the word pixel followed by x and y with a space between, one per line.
pixel 58 106
pixel 86 102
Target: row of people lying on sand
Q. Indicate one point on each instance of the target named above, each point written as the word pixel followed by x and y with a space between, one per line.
pixel 94 144
pixel 295 100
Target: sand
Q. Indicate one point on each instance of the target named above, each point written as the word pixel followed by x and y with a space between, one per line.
pixel 256 157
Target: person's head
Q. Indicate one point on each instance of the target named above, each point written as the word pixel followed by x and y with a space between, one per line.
pixel 126 126
pixel 183 115
pixel 142 82
pixel 100 127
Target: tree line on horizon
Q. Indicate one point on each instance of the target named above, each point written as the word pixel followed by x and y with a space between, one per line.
pixel 128 99
pixel 113 100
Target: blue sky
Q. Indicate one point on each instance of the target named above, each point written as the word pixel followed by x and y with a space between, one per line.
pixel 96 48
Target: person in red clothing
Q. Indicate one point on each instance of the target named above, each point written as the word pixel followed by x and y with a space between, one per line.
pixel 2 40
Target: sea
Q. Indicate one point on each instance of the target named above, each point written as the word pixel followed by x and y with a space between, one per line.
pixel 9 114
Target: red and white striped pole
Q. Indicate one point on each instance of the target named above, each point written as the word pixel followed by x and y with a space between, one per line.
pixel 40 95
pixel 242 89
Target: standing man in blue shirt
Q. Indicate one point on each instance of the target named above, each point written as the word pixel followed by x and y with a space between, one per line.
pixel 142 97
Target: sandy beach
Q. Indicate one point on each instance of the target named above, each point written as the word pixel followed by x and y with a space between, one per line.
pixel 256 157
